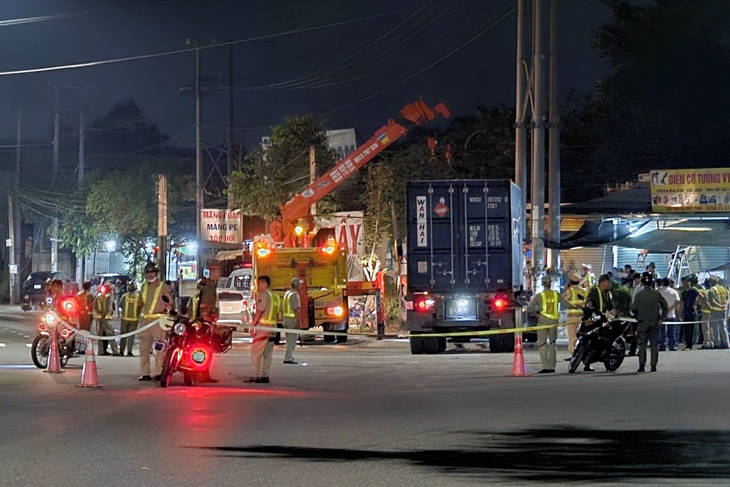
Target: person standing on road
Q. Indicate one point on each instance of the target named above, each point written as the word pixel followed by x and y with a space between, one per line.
pixel 668 331
pixel 599 300
pixel 262 348
pixel 546 306
pixel 717 298
pixel 291 319
pixel 708 340
pixel 689 311
pixel 153 291
pixel 589 278
pixel 86 306
pixel 103 304
pixel 650 309
pixel 576 296
pixel 131 303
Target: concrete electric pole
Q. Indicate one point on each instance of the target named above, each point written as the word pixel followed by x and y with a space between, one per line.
pixel 554 143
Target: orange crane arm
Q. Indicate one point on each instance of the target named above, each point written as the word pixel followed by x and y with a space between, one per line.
pixel 417 112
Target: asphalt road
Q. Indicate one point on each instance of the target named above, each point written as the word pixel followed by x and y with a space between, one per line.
pixel 364 414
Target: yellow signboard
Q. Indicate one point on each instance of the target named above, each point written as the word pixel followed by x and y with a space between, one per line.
pixel 690 190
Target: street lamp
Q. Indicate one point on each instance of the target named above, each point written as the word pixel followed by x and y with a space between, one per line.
pixel 111 246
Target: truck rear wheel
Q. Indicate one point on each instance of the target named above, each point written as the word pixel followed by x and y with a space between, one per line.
pixel 431 345
pixel 442 345
pixel 329 339
pixel 496 344
pixel 509 342
pixel 416 345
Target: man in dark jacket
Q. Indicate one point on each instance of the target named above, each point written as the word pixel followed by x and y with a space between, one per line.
pixel 650 308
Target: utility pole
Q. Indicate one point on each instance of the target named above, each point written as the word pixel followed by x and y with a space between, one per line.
pixel 554 142
pixel 521 102
pixel 54 223
pixel 13 221
pixel 199 195
pixel 537 214
pixel 82 141
pixel 162 225
pixel 313 173
pixel 229 137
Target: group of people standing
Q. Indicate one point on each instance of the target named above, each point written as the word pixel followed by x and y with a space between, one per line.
pixel 659 308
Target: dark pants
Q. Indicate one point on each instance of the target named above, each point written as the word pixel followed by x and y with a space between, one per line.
pixel 634 339
pixel 650 334
pixel 668 331
pixel 689 331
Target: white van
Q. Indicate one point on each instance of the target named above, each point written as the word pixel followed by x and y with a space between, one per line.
pixel 235 302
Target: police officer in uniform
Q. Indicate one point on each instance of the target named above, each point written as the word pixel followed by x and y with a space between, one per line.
pixel 291 319
pixel 650 308
pixel 717 298
pixel 546 306
pixel 86 306
pixel 153 306
pixel 262 348
pixel 576 296
pixel 131 304
pixel 103 304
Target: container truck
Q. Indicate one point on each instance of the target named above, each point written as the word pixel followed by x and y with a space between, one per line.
pixel 465 261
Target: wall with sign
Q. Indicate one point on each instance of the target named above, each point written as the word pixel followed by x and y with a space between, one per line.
pixel 222 226
pixel 690 190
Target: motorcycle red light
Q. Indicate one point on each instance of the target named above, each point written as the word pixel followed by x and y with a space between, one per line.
pixel 65 333
pixel 69 306
pixel 198 356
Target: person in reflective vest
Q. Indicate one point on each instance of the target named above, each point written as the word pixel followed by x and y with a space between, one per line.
pixel 131 304
pixel 546 306
pixel 589 278
pixel 103 304
pixel 717 298
pixel 576 296
pixel 194 305
pixel 291 319
pixel 262 348
pixel 86 306
pixel 153 307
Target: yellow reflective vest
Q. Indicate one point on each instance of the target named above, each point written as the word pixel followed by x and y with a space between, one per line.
pixel 149 307
pixel 130 306
pixel 288 311
pixel 272 314
pixel 550 308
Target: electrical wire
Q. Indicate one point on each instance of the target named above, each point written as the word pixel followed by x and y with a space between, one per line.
pixel 190 49
pixel 438 61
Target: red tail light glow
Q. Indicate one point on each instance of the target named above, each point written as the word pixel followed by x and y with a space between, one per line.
pixel 425 305
pixel 336 311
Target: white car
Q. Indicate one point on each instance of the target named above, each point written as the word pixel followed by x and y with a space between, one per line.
pixel 235 302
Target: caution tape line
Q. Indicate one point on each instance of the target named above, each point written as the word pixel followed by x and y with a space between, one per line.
pixel 87 334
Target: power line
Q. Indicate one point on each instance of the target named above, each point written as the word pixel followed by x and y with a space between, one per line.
pixel 189 49
pixel 438 61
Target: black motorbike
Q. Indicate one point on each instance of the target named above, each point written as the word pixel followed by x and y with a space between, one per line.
pixel 602 341
pixel 190 346
pixel 54 321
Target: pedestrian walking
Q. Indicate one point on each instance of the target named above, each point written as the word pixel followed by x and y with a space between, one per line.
pixel 717 298
pixel 262 348
pixel 153 291
pixel 546 306
pixel 291 319
pixel 103 305
pixel 650 309
pixel 131 304
pixel 668 331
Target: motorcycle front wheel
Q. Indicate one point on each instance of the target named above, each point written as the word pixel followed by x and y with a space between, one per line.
pixel 577 357
pixel 169 367
pixel 39 351
pixel 616 356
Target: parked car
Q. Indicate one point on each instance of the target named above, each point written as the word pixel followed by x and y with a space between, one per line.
pixel 235 302
pixel 34 287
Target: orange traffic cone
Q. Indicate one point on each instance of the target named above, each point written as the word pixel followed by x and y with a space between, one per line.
pixel 518 361
pixel 54 359
pixel 89 377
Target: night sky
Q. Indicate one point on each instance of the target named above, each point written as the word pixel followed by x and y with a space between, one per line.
pixel 379 44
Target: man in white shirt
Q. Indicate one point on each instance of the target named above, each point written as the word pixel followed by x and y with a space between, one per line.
pixel 671 296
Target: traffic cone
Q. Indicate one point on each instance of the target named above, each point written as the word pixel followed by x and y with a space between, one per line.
pixel 89 377
pixel 54 360
pixel 518 361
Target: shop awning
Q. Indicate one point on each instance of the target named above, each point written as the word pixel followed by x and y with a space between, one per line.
pixel 689 233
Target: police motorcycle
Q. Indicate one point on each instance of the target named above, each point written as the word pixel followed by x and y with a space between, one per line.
pixel 56 320
pixel 602 340
pixel 190 345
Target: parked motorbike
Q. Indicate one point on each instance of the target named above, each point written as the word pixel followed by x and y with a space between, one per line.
pixel 603 341
pixel 190 346
pixel 56 320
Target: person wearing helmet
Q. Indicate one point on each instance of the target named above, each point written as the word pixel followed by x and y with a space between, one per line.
pixel 588 279
pixel 717 299
pixel 131 304
pixel 103 304
pixel 650 308
pixel 576 296
pixel 194 305
pixel 546 307
pixel 291 319
pixel 152 293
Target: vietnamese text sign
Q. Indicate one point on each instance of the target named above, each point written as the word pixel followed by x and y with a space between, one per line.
pixel 690 190
pixel 223 226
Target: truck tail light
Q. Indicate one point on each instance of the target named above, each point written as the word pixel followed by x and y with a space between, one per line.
pixel 424 305
pixel 500 303
pixel 336 311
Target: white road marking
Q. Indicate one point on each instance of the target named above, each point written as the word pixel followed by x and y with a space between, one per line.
pixel 2 345
pixel 28 345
